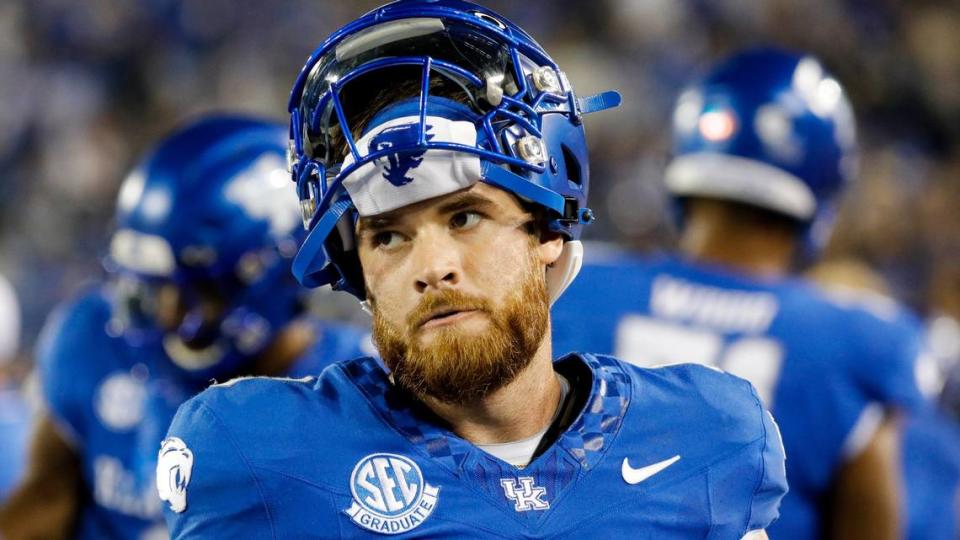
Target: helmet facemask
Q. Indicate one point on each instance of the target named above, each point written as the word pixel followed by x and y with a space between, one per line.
pixel 463 87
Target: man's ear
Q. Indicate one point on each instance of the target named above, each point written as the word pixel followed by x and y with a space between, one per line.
pixel 550 248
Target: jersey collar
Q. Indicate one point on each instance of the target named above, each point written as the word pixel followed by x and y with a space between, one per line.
pixel 586 440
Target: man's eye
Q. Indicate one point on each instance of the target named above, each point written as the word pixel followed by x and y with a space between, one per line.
pixel 465 220
pixel 387 239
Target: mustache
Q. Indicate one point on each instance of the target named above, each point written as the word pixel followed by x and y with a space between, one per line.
pixel 444 301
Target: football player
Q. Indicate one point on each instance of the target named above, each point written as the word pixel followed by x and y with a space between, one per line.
pixel 931 441
pixel 764 146
pixel 441 163
pixel 200 289
pixel 14 413
pixel 930 437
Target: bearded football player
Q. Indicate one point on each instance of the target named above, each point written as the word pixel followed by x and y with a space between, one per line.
pixel 441 164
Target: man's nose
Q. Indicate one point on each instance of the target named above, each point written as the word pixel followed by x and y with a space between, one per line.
pixel 438 260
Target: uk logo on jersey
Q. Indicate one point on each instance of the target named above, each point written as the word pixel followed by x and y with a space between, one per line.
pixel 398 165
pixel 525 495
pixel 390 495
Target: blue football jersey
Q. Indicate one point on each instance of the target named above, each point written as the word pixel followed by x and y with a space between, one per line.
pixel 680 452
pixel 114 402
pixel 819 364
pixel 931 461
pixel 15 424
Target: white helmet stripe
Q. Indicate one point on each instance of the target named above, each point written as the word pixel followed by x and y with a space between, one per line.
pixel 142 253
pixel 740 179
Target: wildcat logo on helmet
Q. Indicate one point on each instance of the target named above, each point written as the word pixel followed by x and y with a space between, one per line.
pixel 398 165
pixel 412 173
pixel 390 495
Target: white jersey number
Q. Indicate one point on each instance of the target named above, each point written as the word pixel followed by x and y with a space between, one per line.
pixel 649 342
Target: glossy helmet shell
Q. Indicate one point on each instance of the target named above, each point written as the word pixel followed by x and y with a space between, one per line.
pixel 768 128
pixel 528 122
pixel 209 207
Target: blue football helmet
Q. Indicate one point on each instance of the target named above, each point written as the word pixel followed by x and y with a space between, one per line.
pixel 418 99
pixel 771 129
pixel 206 222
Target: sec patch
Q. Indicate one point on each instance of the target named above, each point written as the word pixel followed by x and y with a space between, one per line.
pixel 390 495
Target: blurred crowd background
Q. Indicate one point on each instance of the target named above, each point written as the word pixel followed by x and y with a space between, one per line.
pixel 86 86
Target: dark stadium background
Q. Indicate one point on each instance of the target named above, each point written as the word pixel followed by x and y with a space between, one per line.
pixel 85 86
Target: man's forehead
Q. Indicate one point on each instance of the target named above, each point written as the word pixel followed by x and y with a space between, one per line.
pixel 479 193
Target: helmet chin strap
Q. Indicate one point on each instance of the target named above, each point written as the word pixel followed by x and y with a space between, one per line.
pixel 560 274
pixel 565 269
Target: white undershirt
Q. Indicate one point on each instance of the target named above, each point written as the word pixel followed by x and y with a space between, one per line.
pixel 519 453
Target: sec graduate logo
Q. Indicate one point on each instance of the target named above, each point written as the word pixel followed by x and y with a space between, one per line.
pixel 390 495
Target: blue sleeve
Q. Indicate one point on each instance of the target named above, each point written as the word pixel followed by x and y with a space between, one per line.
pixel 752 480
pixel 772 486
pixel 889 369
pixel 15 424
pixel 208 487
pixel 65 388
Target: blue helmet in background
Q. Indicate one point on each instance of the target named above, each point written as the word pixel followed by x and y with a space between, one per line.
pixel 771 129
pixel 420 99
pixel 206 230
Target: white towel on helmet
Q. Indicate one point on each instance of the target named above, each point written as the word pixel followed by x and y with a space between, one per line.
pixel 395 180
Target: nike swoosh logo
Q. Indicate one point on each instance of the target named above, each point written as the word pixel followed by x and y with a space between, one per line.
pixel 635 476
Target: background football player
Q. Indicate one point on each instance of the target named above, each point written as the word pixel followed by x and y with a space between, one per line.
pixel 930 438
pixel 764 146
pixel 200 288
pixel 440 159
pixel 14 412
pixel 931 455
